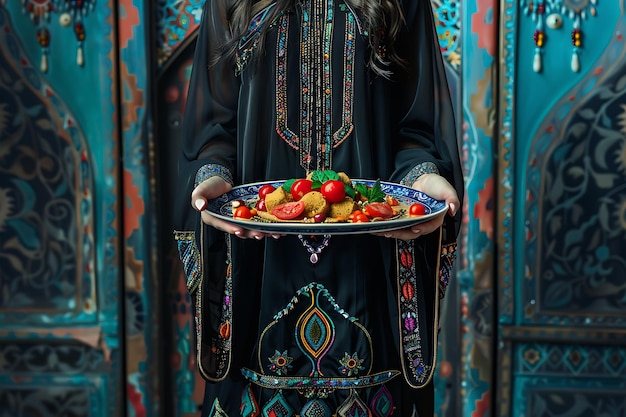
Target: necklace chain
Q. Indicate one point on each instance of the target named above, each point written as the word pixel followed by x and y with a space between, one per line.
pixel 314 250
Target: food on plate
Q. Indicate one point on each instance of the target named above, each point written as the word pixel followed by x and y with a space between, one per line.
pixel 314 203
pixel 275 198
pixel 323 196
pixel 342 209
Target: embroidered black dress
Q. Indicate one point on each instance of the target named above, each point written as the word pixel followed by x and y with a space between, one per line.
pixel 353 334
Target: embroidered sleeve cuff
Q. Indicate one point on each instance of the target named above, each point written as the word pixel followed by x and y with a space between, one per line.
pixel 418 171
pixel 213 170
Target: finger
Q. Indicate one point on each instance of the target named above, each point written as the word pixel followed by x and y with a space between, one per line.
pixel 230 228
pixel 200 204
pixel 402 234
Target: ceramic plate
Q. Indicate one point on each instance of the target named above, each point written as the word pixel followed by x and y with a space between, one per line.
pixel 222 208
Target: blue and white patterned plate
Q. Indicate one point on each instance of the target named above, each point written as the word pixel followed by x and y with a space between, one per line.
pixel 222 208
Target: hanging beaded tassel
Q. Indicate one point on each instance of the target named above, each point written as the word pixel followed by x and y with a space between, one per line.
pixel 537 11
pixel 314 249
pixel 79 9
pixel 39 11
pixel 576 43
pixel 577 10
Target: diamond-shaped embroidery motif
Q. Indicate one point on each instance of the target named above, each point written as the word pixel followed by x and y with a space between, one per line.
pixel 278 406
pixel 353 407
pixel 316 408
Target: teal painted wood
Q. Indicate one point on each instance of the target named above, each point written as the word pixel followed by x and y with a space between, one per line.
pixel 574 162
pixel 475 266
pixel 142 283
pixel 561 284
pixel 81 308
pixel 569 380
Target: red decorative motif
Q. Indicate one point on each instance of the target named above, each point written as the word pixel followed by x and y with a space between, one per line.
pixel 406 259
pixel 539 37
pixel 408 291
pixel 225 330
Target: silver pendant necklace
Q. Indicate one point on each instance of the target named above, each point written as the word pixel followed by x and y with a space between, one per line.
pixel 314 250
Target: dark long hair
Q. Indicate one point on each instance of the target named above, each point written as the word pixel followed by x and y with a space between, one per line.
pixel 382 20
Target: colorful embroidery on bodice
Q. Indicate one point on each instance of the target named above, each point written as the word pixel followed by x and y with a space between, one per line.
pixel 250 40
pixel 316 87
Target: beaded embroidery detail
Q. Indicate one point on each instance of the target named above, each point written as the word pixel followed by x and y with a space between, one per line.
pixel 415 366
pixel 249 404
pixel 217 410
pixel 316 408
pixel 278 406
pixel 382 403
pixel 250 41
pixel 351 364
pixel 448 256
pixel 190 256
pixel 315 83
pixel 221 344
pixel 280 363
pixel 213 170
pixel 418 171
pixel 353 406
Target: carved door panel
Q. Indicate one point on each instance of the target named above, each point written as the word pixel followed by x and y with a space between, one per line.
pixel 562 225
pixel 74 252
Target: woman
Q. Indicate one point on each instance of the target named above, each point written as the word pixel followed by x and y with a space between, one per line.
pixel 278 89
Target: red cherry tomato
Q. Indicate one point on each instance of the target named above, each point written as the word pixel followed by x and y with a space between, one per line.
pixel 382 210
pixel 300 188
pixel 417 209
pixel 260 205
pixel 242 212
pixel 289 211
pixel 265 190
pixel 360 218
pixel 354 214
pixel 333 191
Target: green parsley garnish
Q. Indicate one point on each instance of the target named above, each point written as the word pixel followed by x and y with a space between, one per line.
pixel 372 194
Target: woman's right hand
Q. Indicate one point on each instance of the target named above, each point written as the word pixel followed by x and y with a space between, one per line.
pixel 209 189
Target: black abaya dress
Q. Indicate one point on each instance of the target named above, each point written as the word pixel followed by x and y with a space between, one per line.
pixel 355 333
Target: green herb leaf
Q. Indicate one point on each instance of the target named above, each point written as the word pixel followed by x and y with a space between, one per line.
pixel 349 191
pixel 361 188
pixel 324 175
pixel 287 184
pixel 372 194
pixel 376 193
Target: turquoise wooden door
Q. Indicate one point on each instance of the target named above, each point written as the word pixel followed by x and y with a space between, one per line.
pixel 60 313
pixel 77 290
pixel 562 228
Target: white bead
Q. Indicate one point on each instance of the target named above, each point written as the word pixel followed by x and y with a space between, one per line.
pixel 575 62
pixel 537 62
pixel 80 58
pixel 65 19
pixel 554 21
pixel 44 63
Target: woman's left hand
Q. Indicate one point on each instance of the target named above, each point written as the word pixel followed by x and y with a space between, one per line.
pixel 439 188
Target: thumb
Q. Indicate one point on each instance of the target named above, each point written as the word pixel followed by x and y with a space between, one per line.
pixel 211 188
pixel 200 203
pixel 452 209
